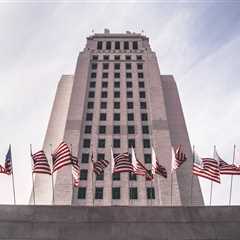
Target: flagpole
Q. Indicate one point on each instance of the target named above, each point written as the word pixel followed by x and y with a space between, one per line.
pixel 212 181
pixel 53 197
pixel 193 152
pixel 13 184
pixel 72 177
pixel 230 197
pixel 34 197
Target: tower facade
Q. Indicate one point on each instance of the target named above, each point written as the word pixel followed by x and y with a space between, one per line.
pixel 117 98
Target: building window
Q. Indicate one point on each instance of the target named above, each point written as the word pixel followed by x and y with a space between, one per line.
pixel 128 66
pixel 101 143
pixel 104 75
pixel 150 193
pixel 104 94
pixel 140 75
pixel 88 129
pixel 139 57
pixel 146 143
pixel 102 129
pixel 117 105
pixel 117 84
pixel 135 45
pixel 100 177
pixel 130 105
pixel 131 130
pixel 95 57
pixel 144 116
pixel 130 116
pixel 126 45
pixel 89 117
pixel 143 105
pixel 105 57
pixel 99 45
pixel 105 66
pixel 116 130
pixel 142 94
pixel 103 117
pixel 116 143
pixel 100 156
pixel 93 75
pixel 145 129
pixel 81 193
pixel 141 84
pixel 83 174
pixel 116 116
pixel 131 143
pixel 139 66
pixel 129 84
pixel 129 94
pixel 94 66
pixel 104 84
pixel 90 105
pixel 92 84
pixel 128 57
pixel 91 94
pixel 116 176
pixel 132 177
pixel 128 75
pixel 117 94
pixel 117 57
pixel 147 158
pixel 116 66
pixel 99 193
pixel 116 75
pixel 86 143
pixel 117 45
pixel 133 193
pixel 116 193
pixel 85 158
pixel 103 105
pixel 108 45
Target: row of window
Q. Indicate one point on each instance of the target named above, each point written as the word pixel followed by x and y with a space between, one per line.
pixel 129 84
pixel 116 143
pixel 104 94
pixel 116 193
pixel 117 66
pixel 101 156
pixel 116 57
pixel 116 75
pixel 103 116
pixel 108 45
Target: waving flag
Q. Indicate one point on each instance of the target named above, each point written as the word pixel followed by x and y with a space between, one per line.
pixel 206 168
pixel 121 163
pixel 8 162
pixel 2 169
pixel 156 167
pixel 75 171
pixel 178 158
pixel 61 157
pixel 40 163
pixel 99 166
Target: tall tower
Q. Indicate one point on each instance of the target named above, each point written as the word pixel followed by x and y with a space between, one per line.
pixel 118 98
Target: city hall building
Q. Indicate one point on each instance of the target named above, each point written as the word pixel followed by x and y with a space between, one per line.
pixel 117 99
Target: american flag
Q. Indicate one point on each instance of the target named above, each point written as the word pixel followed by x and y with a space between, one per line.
pixel 61 157
pixel 8 162
pixel 99 165
pixel 206 168
pixel 2 169
pixel 178 158
pixel 156 167
pixel 225 168
pixel 40 163
pixel 139 168
pixel 75 171
pixel 121 163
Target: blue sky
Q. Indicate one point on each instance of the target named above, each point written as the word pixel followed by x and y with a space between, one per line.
pixel 197 42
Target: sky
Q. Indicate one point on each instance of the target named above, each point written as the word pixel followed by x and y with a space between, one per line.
pixel 196 41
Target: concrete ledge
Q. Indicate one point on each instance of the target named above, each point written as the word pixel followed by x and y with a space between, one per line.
pixel 75 222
